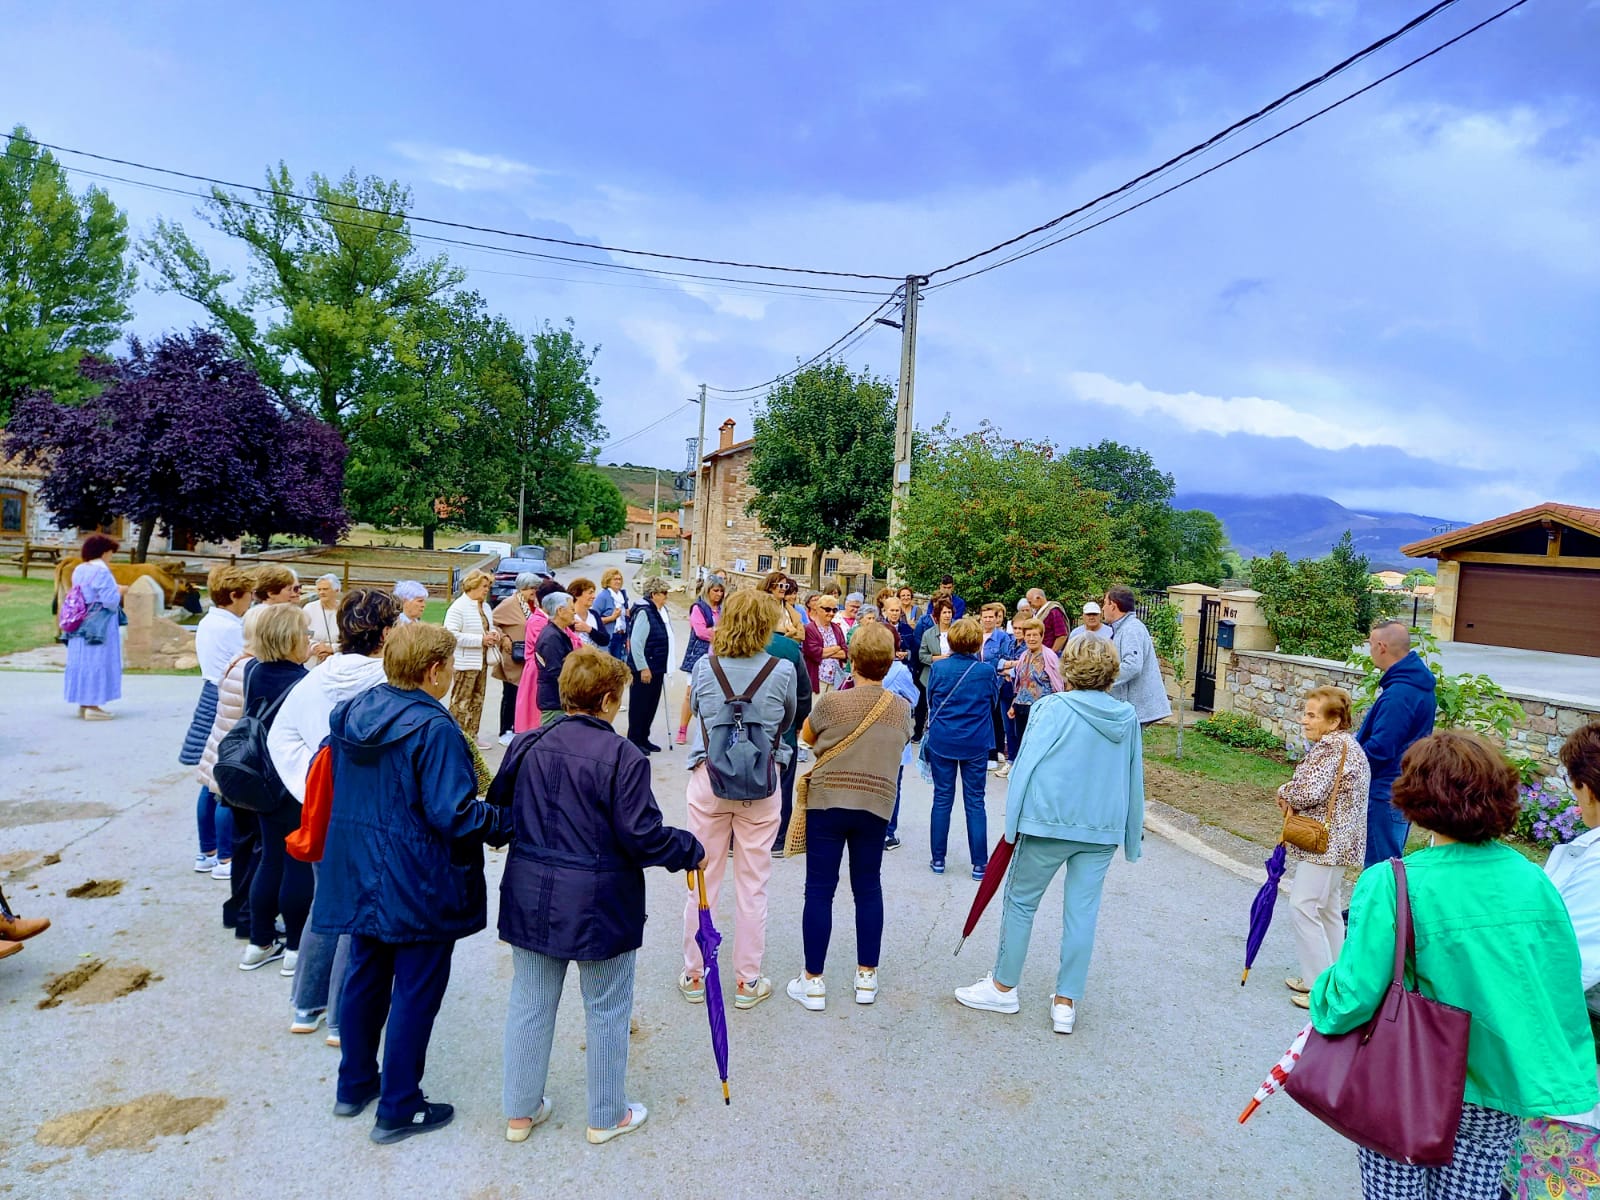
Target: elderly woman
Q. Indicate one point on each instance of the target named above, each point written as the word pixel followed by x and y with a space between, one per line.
pixel 1076 794
pixel 822 643
pixel 1493 938
pixel 586 629
pixel 649 652
pixel 611 608
pixel 1035 673
pixel 586 826
pixel 851 611
pixel 413 598
pixel 511 620
pixel 477 649
pixel 322 616
pixel 550 652
pixel 962 691
pixel 528 690
pixel 936 637
pixel 747 827
pixel 702 624
pixel 1329 786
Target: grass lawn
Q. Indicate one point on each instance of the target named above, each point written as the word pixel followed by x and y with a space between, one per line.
pixel 25 618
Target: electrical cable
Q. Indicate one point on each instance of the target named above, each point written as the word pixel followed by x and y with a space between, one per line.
pixel 866 322
pixel 1235 157
pixel 628 437
pixel 1215 138
pixel 510 233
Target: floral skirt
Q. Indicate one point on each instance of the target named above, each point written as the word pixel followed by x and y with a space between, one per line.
pixel 1554 1159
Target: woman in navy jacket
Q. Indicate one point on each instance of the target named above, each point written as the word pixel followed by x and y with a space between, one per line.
pixel 961 696
pixel 586 826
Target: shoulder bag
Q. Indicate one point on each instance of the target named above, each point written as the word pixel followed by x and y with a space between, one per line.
pixel 1394 1087
pixel 1308 833
pixel 795 842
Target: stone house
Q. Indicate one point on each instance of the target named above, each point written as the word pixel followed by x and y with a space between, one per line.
pixel 728 539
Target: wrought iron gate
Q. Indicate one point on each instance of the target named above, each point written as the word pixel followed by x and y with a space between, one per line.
pixel 1205 659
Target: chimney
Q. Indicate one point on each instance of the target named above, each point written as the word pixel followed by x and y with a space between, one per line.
pixel 725 434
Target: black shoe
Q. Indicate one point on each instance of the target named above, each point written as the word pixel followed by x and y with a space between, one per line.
pixel 425 1120
pixel 354 1108
pixel 651 748
pixel 891 843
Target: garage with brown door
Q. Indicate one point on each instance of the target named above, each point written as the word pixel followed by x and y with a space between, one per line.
pixel 1529 580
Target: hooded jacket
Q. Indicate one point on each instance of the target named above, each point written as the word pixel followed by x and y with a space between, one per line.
pixel 404 857
pixel 1079 776
pixel 1403 713
pixel 586 826
pixel 302 722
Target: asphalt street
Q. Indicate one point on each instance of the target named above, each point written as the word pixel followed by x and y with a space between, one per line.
pixel 911 1096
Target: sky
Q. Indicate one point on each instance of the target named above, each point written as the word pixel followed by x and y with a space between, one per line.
pixel 1396 305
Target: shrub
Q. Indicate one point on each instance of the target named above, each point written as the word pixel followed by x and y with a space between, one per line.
pixel 1549 817
pixel 1237 729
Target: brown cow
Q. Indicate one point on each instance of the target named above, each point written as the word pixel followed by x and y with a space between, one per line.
pixel 176 593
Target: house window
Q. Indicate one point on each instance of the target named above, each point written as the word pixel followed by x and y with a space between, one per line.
pixel 830 566
pixel 763 563
pixel 797 566
pixel 13 511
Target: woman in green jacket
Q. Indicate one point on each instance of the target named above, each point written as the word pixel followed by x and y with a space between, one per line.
pixel 1492 937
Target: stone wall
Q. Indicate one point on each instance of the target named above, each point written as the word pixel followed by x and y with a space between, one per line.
pixel 1272 687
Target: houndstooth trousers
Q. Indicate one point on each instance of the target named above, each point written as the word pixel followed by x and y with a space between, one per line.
pixel 1483 1144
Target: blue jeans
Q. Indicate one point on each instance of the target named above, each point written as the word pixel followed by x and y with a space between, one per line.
pixel 215 824
pixel 828 832
pixel 894 817
pixel 1387 831
pixel 1033 866
pixel 974 777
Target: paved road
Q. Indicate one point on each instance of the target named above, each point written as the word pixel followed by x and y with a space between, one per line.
pixel 912 1096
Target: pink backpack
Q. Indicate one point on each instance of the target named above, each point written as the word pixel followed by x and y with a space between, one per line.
pixel 74 609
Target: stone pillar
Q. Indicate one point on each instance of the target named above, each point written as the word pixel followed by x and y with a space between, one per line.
pixel 144 605
pixel 1250 631
pixel 1444 601
pixel 1188 598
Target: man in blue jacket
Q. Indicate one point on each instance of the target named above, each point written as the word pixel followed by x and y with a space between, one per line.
pixel 402 874
pixel 1403 713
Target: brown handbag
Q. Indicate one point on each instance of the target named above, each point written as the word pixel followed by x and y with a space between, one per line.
pixel 1396 1086
pixel 1308 833
pixel 794 842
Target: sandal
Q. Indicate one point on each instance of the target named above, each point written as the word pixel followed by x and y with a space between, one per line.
pixel 514 1134
pixel 692 987
pixel 1300 1000
pixel 1295 984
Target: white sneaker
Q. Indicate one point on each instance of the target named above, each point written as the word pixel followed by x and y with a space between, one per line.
pixel 812 994
pixel 1062 1016
pixel 205 863
pixel 223 870
pixel 260 956
pixel 866 987
pixel 1004 772
pixel 291 959
pixel 985 997
pixel 505 738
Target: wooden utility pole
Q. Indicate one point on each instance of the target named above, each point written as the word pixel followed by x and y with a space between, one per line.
pixel 700 519
pixel 903 411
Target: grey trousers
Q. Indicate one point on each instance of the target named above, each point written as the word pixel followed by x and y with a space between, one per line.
pixel 536 985
pixel 324 963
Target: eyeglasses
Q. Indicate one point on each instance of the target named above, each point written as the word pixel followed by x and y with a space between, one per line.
pixel 828 608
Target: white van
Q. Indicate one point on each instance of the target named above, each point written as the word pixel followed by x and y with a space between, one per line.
pixel 502 549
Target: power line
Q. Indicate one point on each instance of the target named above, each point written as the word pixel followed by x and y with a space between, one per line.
pixel 866 323
pixel 628 437
pixel 510 233
pixel 1211 141
pixel 1382 79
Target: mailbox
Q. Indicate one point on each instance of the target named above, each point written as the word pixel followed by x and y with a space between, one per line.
pixel 1225 634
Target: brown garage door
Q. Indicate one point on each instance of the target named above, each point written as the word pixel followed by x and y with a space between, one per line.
pixel 1533 608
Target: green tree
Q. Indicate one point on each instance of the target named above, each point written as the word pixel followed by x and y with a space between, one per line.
pixel 330 283
pixel 822 465
pixel 1165 623
pixel 1305 606
pixel 64 276
pixel 1418 578
pixel 1140 498
pixel 1352 575
pixel 603 509
pixel 1199 540
pixel 1001 516
pixel 1235 565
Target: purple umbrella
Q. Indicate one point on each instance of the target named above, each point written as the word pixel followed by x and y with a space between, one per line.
pixel 1261 909
pixel 708 939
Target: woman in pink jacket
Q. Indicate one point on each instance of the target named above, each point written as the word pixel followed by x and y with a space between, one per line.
pixel 527 716
pixel 703 617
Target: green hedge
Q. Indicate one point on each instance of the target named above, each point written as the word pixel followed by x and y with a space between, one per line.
pixel 1236 729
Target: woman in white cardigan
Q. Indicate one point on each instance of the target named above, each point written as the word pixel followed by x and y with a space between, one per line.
pixel 477 650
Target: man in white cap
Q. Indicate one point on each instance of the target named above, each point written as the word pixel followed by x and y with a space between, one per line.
pixel 1093 624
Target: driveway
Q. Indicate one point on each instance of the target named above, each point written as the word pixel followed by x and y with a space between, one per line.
pixel 1568 678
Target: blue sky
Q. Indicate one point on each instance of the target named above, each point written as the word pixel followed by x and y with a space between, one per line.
pixel 1396 306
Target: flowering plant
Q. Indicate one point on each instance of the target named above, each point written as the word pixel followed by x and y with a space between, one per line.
pixel 1549 816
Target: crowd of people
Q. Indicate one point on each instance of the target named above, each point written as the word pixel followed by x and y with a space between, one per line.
pixel 369 869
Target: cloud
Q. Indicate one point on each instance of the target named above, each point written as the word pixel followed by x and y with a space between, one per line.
pixel 466 170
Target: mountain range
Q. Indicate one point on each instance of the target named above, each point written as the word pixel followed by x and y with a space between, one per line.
pixel 1308 526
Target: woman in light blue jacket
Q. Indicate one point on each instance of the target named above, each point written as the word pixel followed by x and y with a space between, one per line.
pixel 1076 794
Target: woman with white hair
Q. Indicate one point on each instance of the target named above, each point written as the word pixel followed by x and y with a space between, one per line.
pixel 413 599
pixel 551 651
pixel 322 616
pixel 477 649
pixel 511 619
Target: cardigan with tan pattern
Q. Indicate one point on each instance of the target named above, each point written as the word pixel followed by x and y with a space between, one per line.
pixel 1311 788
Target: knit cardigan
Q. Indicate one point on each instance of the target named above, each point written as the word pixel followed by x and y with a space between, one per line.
pixel 863 775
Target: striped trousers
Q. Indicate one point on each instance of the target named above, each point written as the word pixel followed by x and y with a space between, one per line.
pixel 536 984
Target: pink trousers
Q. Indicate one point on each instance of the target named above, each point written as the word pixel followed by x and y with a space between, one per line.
pixel 751 828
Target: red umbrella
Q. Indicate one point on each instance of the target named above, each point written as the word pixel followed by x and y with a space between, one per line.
pixel 987 886
pixel 1274 1081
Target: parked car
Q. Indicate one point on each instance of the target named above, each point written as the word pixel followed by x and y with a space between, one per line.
pixel 505 575
pixel 528 552
pixel 636 555
pixel 503 549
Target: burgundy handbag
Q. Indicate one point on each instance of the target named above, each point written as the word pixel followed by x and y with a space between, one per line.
pixel 1396 1086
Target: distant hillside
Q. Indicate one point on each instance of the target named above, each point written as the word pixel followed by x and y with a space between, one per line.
pixel 637 484
pixel 1308 527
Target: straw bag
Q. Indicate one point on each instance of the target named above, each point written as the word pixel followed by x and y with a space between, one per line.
pixel 1308 833
pixel 795 842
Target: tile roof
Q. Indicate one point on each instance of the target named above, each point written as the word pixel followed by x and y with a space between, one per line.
pixel 1578 517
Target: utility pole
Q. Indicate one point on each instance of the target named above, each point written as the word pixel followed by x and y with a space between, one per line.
pixel 655 510
pixel 700 520
pixel 903 416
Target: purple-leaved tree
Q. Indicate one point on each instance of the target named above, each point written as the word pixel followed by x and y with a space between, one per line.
pixel 184 437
